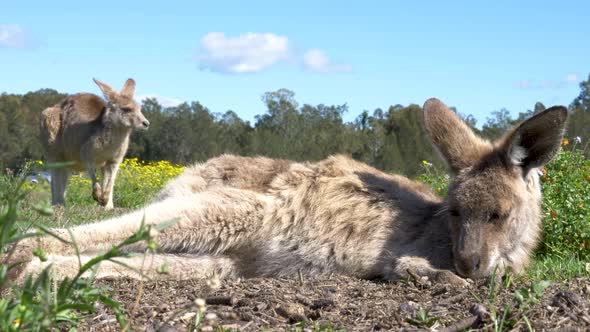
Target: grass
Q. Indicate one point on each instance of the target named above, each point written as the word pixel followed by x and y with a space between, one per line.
pixel 137 183
pixel 506 316
pixel 315 327
pixel 559 269
pixel 39 303
pixel 422 318
pixel 134 177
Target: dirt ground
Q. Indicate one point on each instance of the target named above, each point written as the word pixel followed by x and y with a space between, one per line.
pixel 341 303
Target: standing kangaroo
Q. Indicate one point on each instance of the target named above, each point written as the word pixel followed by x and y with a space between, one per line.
pixel 240 216
pixel 91 133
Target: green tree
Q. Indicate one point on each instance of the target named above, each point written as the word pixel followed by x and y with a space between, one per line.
pixel 276 132
pixel 13 132
pixel 579 122
pixel 497 125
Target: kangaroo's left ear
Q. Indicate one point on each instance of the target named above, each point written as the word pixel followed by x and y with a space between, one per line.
pixel 536 141
pixel 456 142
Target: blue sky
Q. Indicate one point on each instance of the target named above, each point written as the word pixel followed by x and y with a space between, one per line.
pixel 476 56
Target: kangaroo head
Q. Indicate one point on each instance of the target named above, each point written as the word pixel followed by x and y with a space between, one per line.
pixel 493 203
pixel 122 110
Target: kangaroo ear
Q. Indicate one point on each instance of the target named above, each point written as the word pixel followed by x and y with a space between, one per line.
pixel 128 88
pixel 106 89
pixel 536 141
pixel 454 140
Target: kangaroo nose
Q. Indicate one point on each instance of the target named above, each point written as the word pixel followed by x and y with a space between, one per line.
pixel 145 123
pixel 467 265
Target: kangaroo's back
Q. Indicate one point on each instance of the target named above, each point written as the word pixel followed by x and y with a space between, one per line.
pixel 82 108
pixel 250 173
pixel 67 126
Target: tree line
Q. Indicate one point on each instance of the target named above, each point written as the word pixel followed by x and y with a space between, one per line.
pixel 391 139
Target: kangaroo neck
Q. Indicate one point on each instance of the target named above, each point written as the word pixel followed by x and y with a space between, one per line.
pixel 113 132
pixel 110 124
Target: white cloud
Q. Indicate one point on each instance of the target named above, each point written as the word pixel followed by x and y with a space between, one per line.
pixel 254 52
pixel 164 101
pixel 247 53
pixel 547 84
pixel 15 36
pixel 572 78
pixel 524 84
pixel 317 61
pixel 569 79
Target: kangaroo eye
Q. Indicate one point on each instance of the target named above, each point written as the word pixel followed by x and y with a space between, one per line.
pixel 494 216
pixel 126 109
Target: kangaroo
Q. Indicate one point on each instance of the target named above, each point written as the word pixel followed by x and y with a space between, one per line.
pixel 91 133
pixel 255 216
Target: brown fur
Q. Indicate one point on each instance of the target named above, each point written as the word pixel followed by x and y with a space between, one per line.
pixel 89 132
pixel 244 216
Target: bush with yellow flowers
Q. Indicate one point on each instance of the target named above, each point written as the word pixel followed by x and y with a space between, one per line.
pixel 434 177
pixel 566 200
pixel 136 184
pixel 145 178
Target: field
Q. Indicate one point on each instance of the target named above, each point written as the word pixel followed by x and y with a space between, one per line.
pixel 554 293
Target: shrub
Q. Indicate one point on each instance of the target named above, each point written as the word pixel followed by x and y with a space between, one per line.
pixel 437 179
pixel 566 205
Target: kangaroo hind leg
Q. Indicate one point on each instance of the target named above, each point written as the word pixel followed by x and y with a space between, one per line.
pixel 59 182
pixel 212 222
pixel 209 222
pixel 152 266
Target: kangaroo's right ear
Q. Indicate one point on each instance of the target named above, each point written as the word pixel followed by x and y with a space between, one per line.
pixel 455 141
pixel 128 88
pixel 106 89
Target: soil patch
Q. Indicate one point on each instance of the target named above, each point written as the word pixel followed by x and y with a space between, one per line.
pixel 342 303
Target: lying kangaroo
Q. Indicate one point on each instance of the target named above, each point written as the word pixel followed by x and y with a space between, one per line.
pixel 91 133
pixel 240 216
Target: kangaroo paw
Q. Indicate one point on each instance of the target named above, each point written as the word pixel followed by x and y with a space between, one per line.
pixel 104 199
pixel 448 277
pixel 97 193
